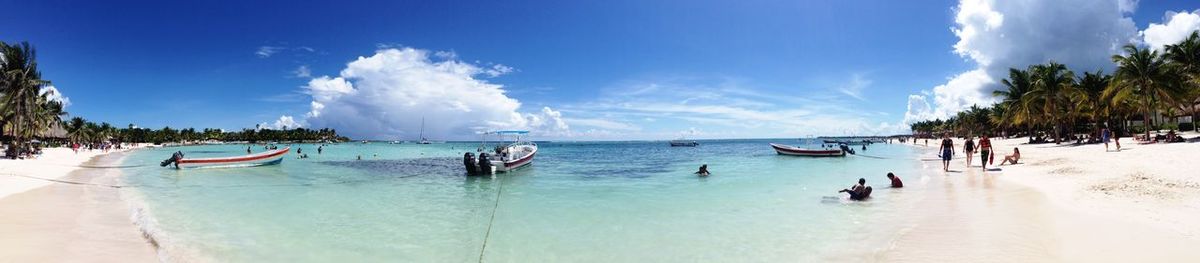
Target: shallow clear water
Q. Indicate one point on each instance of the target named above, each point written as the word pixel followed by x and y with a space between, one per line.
pixel 588 201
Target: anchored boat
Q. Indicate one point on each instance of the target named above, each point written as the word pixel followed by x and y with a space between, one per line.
pixel 263 158
pixel 797 151
pixel 504 157
pixel 684 143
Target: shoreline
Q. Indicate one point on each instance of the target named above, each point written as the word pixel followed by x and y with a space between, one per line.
pixel 1061 203
pixel 56 222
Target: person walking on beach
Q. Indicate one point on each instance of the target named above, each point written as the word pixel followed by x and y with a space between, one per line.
pixel 947 150
pixel 1104 135
pixel 969 149
pixel 985 150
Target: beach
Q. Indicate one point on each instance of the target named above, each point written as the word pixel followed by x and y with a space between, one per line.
pixel 47 221
pixel 1062 203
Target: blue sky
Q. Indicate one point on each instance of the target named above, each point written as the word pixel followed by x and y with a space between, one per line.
pixel 598 70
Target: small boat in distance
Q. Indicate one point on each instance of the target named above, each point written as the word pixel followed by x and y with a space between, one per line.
pixel 684 143
pixel 264 158
pixel 423 140
pixel 797 151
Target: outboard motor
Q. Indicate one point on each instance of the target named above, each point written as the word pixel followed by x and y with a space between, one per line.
pixel 485 164
pixel 470 164
pixel 847 149
pixel 174 159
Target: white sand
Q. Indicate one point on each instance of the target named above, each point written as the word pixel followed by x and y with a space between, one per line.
pixel 45 221
pixel 54 163
pixel 1062 203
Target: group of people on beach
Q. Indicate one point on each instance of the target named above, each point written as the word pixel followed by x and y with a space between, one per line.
pixel 984 147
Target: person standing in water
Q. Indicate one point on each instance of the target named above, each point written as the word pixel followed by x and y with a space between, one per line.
pixel 703 171
pixel 320 148
pixel 985 150
pixel 947 150
pixel 248 150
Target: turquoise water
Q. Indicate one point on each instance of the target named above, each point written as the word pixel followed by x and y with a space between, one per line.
pixel 593 201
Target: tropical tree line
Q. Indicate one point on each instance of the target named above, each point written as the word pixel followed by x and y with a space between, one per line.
pixel 27 111
pixel 83 131
pixel 1051 100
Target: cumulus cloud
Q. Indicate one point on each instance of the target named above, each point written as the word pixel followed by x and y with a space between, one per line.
pixel 1177 26
pixel 286 122
pixel 386 96
pixel 53 94
pixel 998 35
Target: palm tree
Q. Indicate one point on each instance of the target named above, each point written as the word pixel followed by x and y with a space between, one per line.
pixel 21 84
pixel 1051 84
pixel 75 129
pixel 1089 96
pixel 1144 75
pixel 1186 57
pixel 1018 83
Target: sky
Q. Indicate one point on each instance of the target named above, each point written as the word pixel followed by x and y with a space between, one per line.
pixel 566 70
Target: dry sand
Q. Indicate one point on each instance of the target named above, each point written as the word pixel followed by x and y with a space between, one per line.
pixel 1060 204
pixel 59 222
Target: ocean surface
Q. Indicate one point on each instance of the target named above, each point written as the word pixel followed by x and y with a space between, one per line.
pixel 579 201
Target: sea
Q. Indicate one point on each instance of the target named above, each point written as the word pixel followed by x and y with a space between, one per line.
pixel 622 201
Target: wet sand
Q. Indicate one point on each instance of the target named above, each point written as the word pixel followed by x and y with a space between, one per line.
pixel 73 223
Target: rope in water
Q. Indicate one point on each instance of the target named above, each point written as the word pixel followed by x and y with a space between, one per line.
pixel 492 220
pixel 66 181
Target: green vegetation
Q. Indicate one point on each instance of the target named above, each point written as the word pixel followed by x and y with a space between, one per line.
pixel 1051 100
pixel 28 112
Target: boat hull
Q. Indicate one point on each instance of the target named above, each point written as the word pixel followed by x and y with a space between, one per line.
pixel 684 144
pixel 796 151
pixel 265 158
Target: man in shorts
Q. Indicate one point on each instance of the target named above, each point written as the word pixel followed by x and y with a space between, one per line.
pixel 946 150
pixel 985 150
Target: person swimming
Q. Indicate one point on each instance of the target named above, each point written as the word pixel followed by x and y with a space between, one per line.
pixel 859 191
pixel 703 171
pixel 896 183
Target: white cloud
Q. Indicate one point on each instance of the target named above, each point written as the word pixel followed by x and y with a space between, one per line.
pixel 267 51
pixel 723 107
pixel 1178 26
pixel 302 72
pixel 998 35
pixel 284 122
pixel 386 95
pixel 918 109
pixel 53 94
pixel 855 86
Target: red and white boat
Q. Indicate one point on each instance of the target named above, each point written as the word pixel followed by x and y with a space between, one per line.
pixel 508 157
pixel 263 158
pixel 797 151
